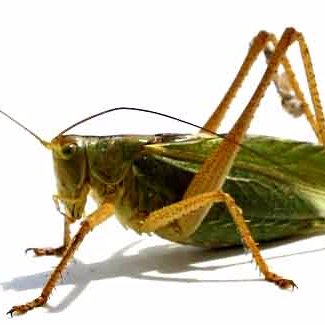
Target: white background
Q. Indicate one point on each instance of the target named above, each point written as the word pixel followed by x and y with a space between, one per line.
pixel 63 60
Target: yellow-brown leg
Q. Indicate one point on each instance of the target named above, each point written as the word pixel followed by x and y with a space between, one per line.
pixel 180 210
pixel 57 251
pixel 100 215
pixel 68 220
pixel 214 170
pixel 292 97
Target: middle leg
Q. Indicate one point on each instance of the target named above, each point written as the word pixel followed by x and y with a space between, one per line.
pixel 68 220
pixel 57 251
pixel 180 210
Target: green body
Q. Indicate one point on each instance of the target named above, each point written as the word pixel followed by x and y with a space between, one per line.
pixel 279 184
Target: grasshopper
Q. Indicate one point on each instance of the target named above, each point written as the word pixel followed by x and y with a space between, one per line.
pixel 203 190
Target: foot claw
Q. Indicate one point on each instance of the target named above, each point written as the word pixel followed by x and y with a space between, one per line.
pixel 17 310
pixel 22 309
pixel 46 251
pixel 286 284
pixel 10 312
pixel 281 282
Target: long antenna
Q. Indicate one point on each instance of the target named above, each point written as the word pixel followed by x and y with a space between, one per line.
pixel 44 143
pixel 223 136
pixel 137 110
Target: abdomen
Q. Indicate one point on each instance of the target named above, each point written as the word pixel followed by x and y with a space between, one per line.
pixel 277 200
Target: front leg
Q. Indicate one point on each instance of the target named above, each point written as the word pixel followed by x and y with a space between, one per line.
pixel 57 251
pixel 100 215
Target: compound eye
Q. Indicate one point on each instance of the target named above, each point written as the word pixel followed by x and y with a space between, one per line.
pixel 68 150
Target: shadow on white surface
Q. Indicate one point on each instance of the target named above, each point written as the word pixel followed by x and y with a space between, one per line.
pixel 167 260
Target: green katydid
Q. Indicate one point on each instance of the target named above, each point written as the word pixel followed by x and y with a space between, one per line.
pixel 200 189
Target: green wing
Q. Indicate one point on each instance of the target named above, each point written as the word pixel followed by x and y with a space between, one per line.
pixel 285 160
pixel 279 184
